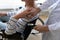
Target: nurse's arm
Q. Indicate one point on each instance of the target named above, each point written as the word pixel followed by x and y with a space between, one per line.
pixel 41 28
pixel 53 27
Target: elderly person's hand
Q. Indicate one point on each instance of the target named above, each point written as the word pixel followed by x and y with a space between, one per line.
pixel 22 14
pixel 33 12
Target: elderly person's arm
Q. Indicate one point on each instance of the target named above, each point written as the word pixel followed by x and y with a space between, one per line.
pixel 33 12
pixel 11 24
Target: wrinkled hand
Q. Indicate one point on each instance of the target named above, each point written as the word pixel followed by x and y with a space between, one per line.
pixel 22 14
pixel 25 13
pixel 33 12
pixel 38 28
pixel 41 28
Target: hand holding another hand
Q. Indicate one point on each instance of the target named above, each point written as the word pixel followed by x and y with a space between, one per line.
pixel 33 12
pixel 38 28
pixel 28 13
pixel 41 28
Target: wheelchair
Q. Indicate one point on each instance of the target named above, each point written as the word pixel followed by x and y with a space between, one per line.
pixel 18 36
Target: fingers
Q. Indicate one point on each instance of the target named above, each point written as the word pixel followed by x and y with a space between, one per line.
pixel 30 13
pixel 30 8
pixel 26 12
pixel 37 28
pixel 30 16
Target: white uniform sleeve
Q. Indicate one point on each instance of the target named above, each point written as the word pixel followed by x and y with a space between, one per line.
pixel 54 27
pixel 47 4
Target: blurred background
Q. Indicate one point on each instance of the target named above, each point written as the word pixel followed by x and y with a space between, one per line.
pixel 12 4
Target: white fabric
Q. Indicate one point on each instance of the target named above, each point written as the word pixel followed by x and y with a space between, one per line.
pixel 53 21
pixel 53 6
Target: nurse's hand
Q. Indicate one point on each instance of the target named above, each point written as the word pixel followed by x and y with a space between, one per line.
pixel 41 28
